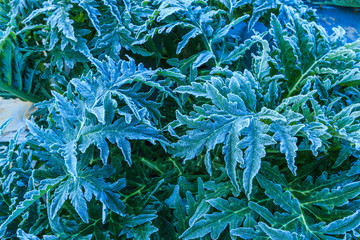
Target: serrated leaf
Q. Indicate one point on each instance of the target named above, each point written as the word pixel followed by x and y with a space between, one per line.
pixel 232 213
pixel 143 232
pixel 201 210
pixel 285 134
pixel 167 12
pixel 30 198
pixel 232 151
pixel 60 18
pixel 60 196
pixel 255 141
pixel 281 198
pixel 69 154
pixel 248 233
pixel 335 197
pixel 276 234
pixel 203 58
pixel 78 201
pixel 90 6
pixel 186 38
pixel 22 235
pixel 344 225
pixel 262 211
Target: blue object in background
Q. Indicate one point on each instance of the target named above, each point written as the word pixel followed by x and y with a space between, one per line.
pixel 334 16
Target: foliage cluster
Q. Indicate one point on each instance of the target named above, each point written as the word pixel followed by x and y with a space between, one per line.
pixel 179 119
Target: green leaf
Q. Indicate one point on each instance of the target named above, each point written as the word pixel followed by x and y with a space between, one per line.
pixel 276 234
pixel 285 134
pixel 30 198
pixel 60 196
pixel 248 233
pixel 186 38
pixel 232 213
pixel 287 55
pixel 90 6
pixel 281 198
pixel 25 236
pixel 262 211
pixel 201 210
pixel 60 18
pixel 203 58
pixel 69 154
pixel 344 225
pixel 255 142
pixel 143 232
pixel 232 151
pixel 78 201
pixel 336 197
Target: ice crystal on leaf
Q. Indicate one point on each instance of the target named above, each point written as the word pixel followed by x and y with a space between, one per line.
pixel 184 119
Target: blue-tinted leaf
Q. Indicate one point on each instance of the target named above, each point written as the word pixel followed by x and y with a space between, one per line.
pixel 262 211
pixel 232 213
pixel 4 125
pixel 203 58
pixel 248 233
pixel 335 197
pixel 79 203
pixel 233 153
pixel 285 134
pixel 344 225
pixel 276 234
pixel 69 154
pixel 185 39
pixel 60 196
pixel 255 141
pixel 25 236
pixel 142 232
pixel 29 198
pixel 60 18
pixel 105 192
pixel 281 198
pixel 112 4
pixel 90 6
pixel 201 210
pixel 119 132
pixel 270 114
pixel 167 12
pixel 314 132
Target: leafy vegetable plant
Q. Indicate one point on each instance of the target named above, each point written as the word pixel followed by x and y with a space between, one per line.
pixel 184 119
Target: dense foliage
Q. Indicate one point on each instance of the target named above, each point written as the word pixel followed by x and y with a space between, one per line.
pixel 179 119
